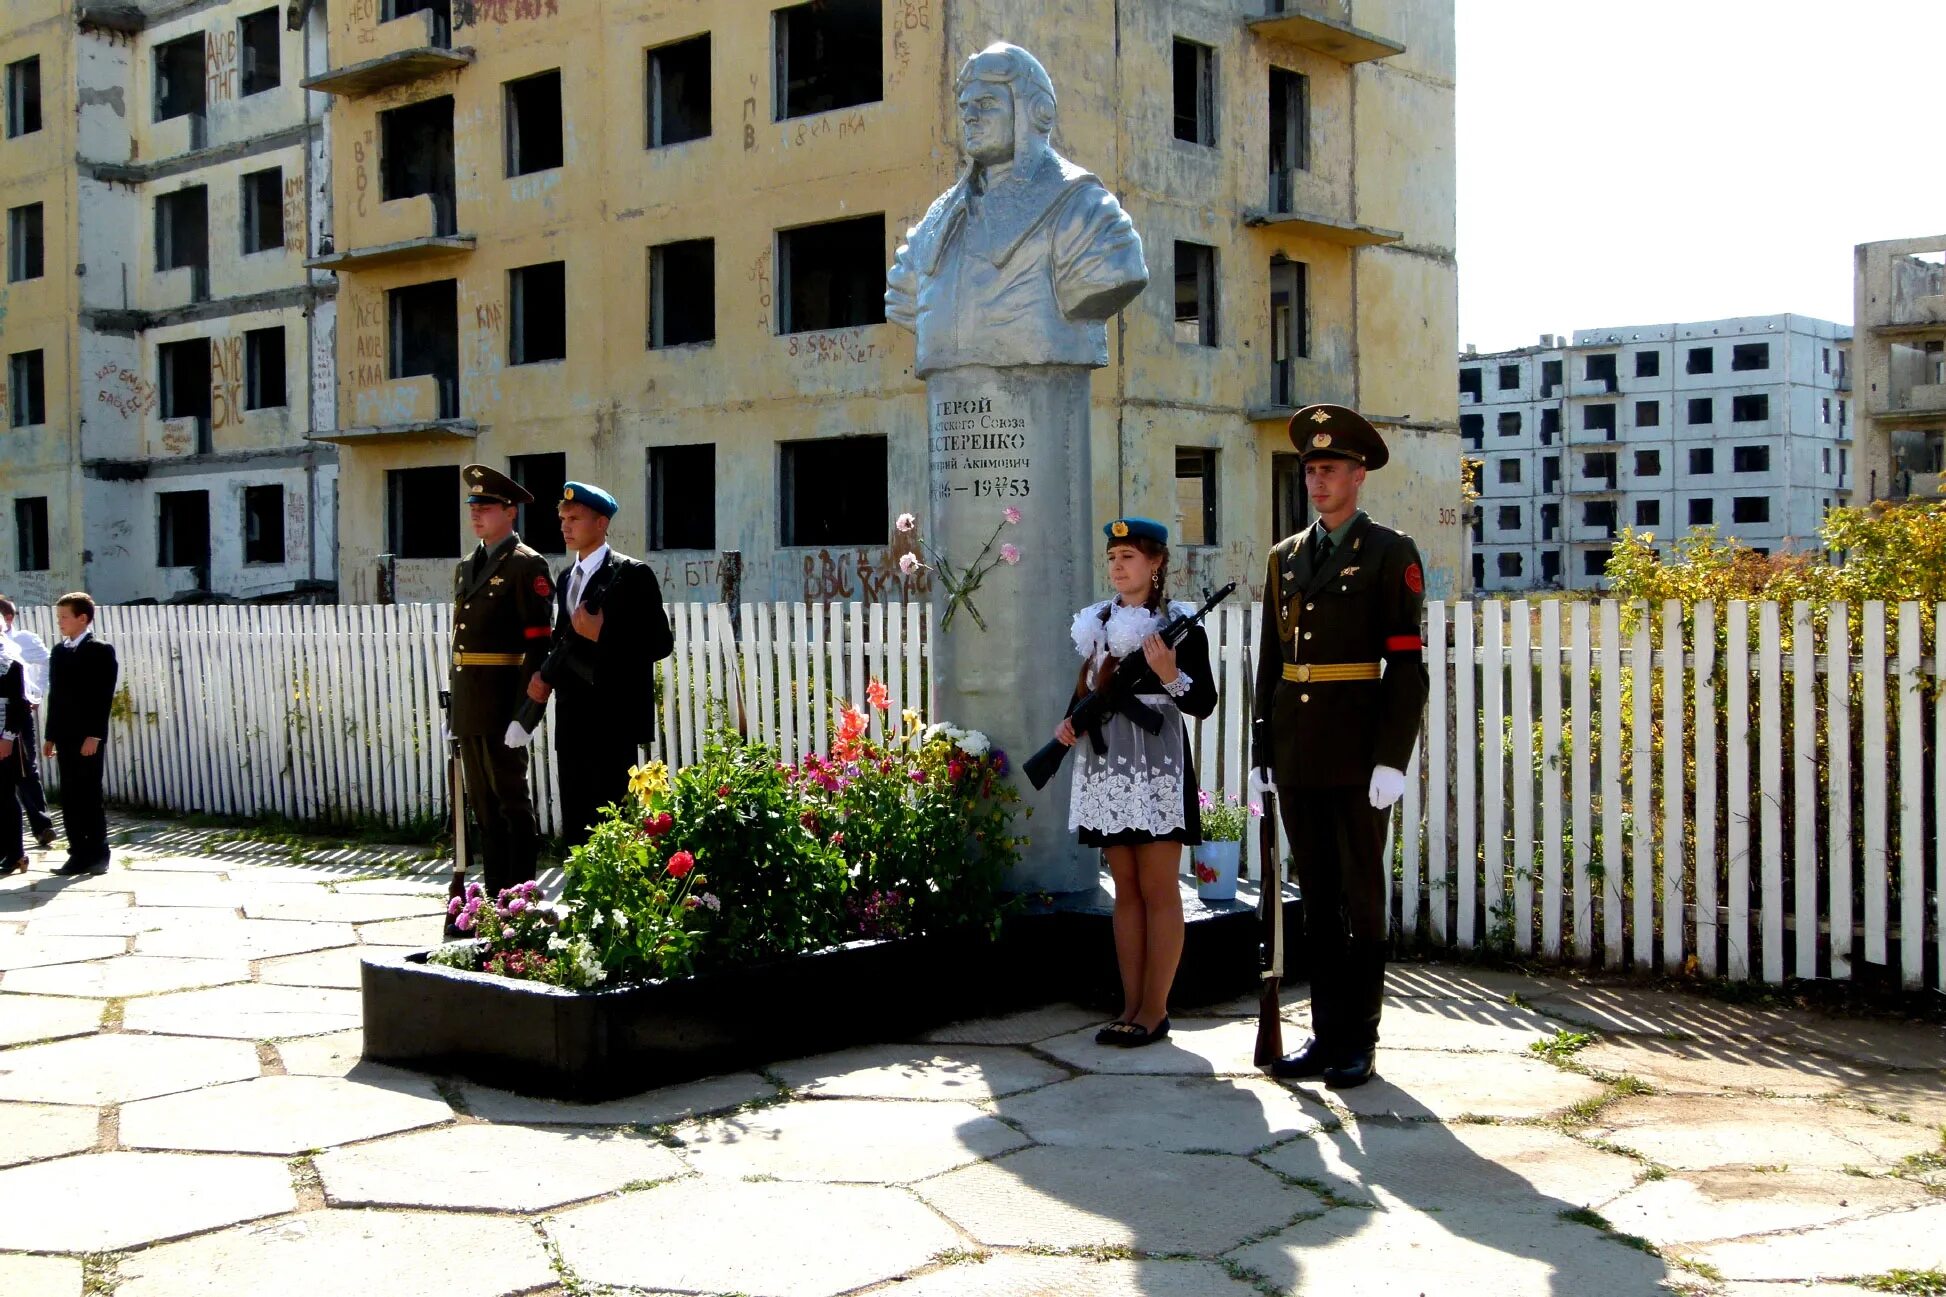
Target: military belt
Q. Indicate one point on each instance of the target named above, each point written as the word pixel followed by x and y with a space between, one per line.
pixel 488 659
pixel 1311 672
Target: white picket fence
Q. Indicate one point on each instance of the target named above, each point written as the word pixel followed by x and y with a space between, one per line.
pixel 1775 814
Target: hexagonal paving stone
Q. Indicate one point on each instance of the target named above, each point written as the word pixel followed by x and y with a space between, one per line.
pixel 25 1018
pixel 1353 1253
pixel 30 1132
pixel 337 967
pixel 1888 1044
pixel 282 1114
pixel 764 1240
pixel 328 907
pixel 1902 1240
pixel 650 1108
pixel 1152 1202
pixel 419 932
pixel 970 1072
pixel 40 1276
pixel 1180 1113
pixel 1437 1022
pixel 1700 1132
pixel 493 1168
pixel 845 1140
pixel 1194 1047
pixel 123 921
pixel 36 952
pixel 1639 1011
pixel 1456 982
pixel 1415 1084
pixel 1012 1275
pixel 101 1202
pixel 245 938
pixel 118 1068
pixel 1426 1166
pixel 251 1012
pixel 126 975
pixel 335 1253
pixel 1023 1028
pixel 1711 1067
pixel 1702 1205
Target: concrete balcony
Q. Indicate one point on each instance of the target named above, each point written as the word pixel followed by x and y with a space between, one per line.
pixel 1306 26
pixel 419 228
pixel 1916 407
pixel 411 48
pixel 393 434
pixel 423 408
pixel 1330 229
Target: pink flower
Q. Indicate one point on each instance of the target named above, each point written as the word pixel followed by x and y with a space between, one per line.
pixel 907 522
pixel 1011 514
pixel 909 563
pixel 851 725
pixel 680 864
pixel 1010 553
pixel 876 695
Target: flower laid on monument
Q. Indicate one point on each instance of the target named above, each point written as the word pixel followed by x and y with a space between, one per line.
pixel 961 583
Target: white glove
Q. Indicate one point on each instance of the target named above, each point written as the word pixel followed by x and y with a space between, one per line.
pixel 1261 781
pixel 517 737
pixel 1388 785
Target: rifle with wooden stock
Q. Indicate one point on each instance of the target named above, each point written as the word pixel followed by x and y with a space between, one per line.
pixel 1270 909
pixel 456 798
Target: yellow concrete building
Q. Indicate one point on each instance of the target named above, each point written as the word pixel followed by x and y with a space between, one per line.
pixel 154 172
pixel 643 243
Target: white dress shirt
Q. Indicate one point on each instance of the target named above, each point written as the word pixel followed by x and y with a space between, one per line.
pixel 33 652
pixel 582 572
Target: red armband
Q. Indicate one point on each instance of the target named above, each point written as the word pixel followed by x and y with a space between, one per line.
pixel 1405 644
pixel 539 632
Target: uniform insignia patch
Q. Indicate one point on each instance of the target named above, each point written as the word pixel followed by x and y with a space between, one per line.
pixel 476 475
pixel 542 588
pixel 1415 580
pixel 1322 441
pixel 498 580
pixel 1349 571
pixel 1322 416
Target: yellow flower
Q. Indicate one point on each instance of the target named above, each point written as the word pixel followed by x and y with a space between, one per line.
pixel 909 718
pixel 648 779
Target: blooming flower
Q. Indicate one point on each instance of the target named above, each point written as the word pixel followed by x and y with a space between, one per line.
pixel 1010 554
pixel 657 825
pixel 907 522
pixel 876 695
pixel 918 776
pixel 516 905
pixel 1011 514
pixel 680 864
pixel 909 563
pixel 711 901
pixel 973 743
pixel 851 724
pixel 909 719
pixel 621 921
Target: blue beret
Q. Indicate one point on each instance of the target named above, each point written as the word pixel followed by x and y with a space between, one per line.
pixel 592 496
pixel 1135 529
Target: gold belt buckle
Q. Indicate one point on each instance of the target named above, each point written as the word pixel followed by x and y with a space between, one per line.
pixel 1303 672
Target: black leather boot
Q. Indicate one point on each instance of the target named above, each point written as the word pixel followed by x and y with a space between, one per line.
pixel 1364 999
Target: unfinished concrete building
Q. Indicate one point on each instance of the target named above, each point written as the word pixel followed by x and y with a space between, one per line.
pixel 155 172
pixel 1900 291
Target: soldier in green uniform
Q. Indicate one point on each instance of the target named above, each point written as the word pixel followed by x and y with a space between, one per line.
pixel 1341 685
pixel 503 617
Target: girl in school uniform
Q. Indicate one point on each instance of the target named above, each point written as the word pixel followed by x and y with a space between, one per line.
pixel 1137 800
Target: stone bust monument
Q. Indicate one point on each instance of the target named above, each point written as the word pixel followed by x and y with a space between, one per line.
pixel 1023 260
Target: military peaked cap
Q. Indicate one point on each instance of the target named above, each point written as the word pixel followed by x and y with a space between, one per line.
pixel 1337 432
pixel 484 485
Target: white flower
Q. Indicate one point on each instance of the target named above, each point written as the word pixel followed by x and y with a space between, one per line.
pixel 907 522
pixel 557 943
pixel 594 918
pixel 621 921
pixel 908 563
pixel 933 731
pixel 973 743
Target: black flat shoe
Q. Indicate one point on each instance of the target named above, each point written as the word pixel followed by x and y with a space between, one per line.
pixel 1310 1061
pixel 1137 1035
pixel 47 838
pixel 1112 1033
pixel 1354 1071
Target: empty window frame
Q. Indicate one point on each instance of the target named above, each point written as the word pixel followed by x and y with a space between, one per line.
pixel 263 524
pixel 1702 511
pixel 1507 518
pixel 831 276
pixel 1750 355
pixel 537 298
pixel 1479 569
pixel 834 492
pixel 1824 459
pixel 1702 460
pixel 1195 294
pixel 1290 326
pixel 1550 519
pixel 1196 495
pixel 1550 420
pixel 179 83
pixel 182 529
pixel 1509 377
pixel 1648 463
pixel 533 108
pixel 424 327
pixel 1550 373
pixel 182 229
pixel 1750 459
pixel 1551 566
pixel 1754 408
pixel 678 91
pixel 30 534
pixel 1598 513
pixel 183 374
pixel 26 246
pixel 1472 427
pixel 1824 409
pixel 415 146
pixel 1470 382
pixel 1550 471
pixel 544 476
pixel 829 54
pixel 1702 409
pixel 1509 471
pixel 1195 93
pixel 260 51
pixel 1594 562
pixel 1600 369
pixel 1598 418
pixel 421 512
pixel 1648 414
pixel 263 210
pixel 682 293
pixel 1648 513
pixel 1648 364
pixel 23 97
pixel 1509 423
pixel 1599 464
pixel 1701 360
pixel 1508 564
pixel 26 389
pixel 263 369
pixel 682 496
pixel 1290 135
pixel 1750 508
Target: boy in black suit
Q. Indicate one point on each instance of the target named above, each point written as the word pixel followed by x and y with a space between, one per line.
pixel 81 675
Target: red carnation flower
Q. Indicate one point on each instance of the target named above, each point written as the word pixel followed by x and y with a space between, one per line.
pixel 680 864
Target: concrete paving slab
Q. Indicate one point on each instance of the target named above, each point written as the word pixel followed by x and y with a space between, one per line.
pixel 125 976
pixel 40 1276
pixel 1702 1132
pixel 1713 1067
pixel 1904 1240
pixel 282 1114
pixel 200 891
pixel 1413 1085
pixel 24 903
pixel 30 1132
pixel 1022 1028
pixel 762 1240
pixel 424 885
pixel 1442 1022
pixel 1697 1206
pixel 1194 1047
pixel 1645 1011
pixel 25 1018
pixel 1917 1096
pixel 245 938
pixel 1014 1275
pixel 103 1202
pixel 248 1012
pixel 650 1108
pixel 334 1253
pixel 1353 1253
pixel 116 1068
pixel 845 1140
pixel 419 932
pixel 1294 1002
pixel 336 967
pixel 118 921
pixel 1457 982
pixel 38 952
pixel 1151 1202
pixel 968 1072
pixel 493 1168
pixel 1183 1114
pixel 329 907
pixel 333 1054
pixel 1793 1288
pixel 1887 1044
pixel 141 859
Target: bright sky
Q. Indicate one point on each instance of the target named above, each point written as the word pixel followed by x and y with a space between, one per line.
pixel 1665 160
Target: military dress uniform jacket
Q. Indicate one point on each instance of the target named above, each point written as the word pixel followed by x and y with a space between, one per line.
pixel 503 617
pixel 1329 727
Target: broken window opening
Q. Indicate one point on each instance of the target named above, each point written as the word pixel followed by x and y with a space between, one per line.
pixel 30 534
pixel 1599 418
pixel 1470 382
pixel 184 370
pixel 1195 82
pixel 182 236
pixel 834 492
pixel 1750 355
pixel 1600 369
pixel 1648 513
pixel 1550 471
pixel 441 11
pixel 1599 513
pixel 1479 569
pixel 1648 463
pixel 1550 520
pixel 421 517
pixel 263 369
pixel 1750 409
pixel 1472 427
pixel 27 389
pixel 260 46
pixel 1750 508
pixel 1594 562
pixel 1648 364
pixel 1702 360
pixel 1509 377
pixel 416 157
pixel 682 293
pixel 679 90
pixel 263 524
pixel 1508 518
pixel 1550 375
pixel 682 496
pixel 263 210
pixel 26 246
pixel 1550 423
pixel 1196 495
pixel 544 476
pixel 1648 414
pixel 1599 465
pixel 425 337
pixel 1195 294
pixel 1551 566
pixel 1290 135
pixel 1702 460
pixel 1509 470
pixel 533 110
pixel 1750 459
pixel 1702 511
pixel 1509 423
pixel 179 86
pixel 1290 507
pixel 23 97
pixel 831 276
pixel 1508 564
pixel 538 307
pixel 182 531
pixel 1702 409
pixel 1290 326
pixel 829 55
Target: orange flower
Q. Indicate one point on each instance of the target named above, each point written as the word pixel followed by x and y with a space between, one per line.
pixel 851 724
pixel 875 695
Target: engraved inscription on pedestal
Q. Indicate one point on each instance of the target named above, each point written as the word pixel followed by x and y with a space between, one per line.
pixel 982 449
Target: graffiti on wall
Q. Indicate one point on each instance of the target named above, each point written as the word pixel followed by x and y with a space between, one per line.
pixel 907 16
pixel 471 13
pixel 844 346
pixel 219 64
pixel 760 276
pixel 294 212
pixel 868 573
pixel 124 391
pixel 361 180
pixel 367 367
pixel 225 381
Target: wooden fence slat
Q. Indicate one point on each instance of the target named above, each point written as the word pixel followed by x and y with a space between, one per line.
pixel 1550 773
pixel 1770 749
pixel 1873 731
pixel 1641 797
pixel 1521 771
pixel 1704 818
pixel 1439 809
pixel 1613 853
pixel 820 739
pixel 1804 794
pixel 1466 748
pixel 915 661
pixel 1493 769
pixel 1671 677
pixel 1939 788
pixel 1838 857
pixel 1580 768
pixel 1736 777
pixel 1912 806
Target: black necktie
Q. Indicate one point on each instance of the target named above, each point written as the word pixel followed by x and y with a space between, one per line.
pixel 1324 548
pixel 479 558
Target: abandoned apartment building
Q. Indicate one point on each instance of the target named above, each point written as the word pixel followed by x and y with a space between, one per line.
pixel 646 246
pixel 156 172
pixel 1899 294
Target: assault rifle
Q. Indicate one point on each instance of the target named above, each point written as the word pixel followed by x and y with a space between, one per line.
pixel 1133 677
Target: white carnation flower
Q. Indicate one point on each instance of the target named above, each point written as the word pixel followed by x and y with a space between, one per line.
pixel 973 743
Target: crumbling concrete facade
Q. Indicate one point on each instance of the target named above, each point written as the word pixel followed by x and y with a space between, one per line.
pixel 1900 303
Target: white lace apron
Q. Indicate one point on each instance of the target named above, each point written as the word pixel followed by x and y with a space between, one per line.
pixel 1138 782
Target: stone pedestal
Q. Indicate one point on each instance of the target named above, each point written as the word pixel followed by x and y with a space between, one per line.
pixel 1016 437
